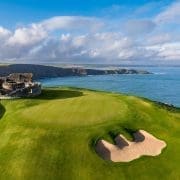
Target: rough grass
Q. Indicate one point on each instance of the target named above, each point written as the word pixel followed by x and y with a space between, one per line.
pixel 53 136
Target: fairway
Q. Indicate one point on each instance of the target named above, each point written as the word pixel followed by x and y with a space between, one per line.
pixel 53 136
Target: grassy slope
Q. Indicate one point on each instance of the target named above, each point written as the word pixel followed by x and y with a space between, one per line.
pixel 52 137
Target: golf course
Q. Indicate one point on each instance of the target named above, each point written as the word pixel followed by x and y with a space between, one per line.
pixel 53 136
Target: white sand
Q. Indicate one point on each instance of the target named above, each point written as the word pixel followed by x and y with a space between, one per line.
pixel 125 151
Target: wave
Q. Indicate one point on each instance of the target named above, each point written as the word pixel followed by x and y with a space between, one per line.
pixel 159 73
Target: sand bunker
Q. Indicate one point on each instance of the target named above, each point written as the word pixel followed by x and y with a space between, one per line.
pixel 125 151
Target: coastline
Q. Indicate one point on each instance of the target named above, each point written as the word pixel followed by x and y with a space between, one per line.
pixel 169 107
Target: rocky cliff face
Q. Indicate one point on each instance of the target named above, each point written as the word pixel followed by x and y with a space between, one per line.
pixel 41 71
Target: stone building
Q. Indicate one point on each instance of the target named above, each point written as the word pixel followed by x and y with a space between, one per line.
pixel 19 85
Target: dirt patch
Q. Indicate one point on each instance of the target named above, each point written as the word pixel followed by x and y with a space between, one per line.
pixel 144 144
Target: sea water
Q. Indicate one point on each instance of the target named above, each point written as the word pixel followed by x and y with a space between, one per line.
pixel 163 85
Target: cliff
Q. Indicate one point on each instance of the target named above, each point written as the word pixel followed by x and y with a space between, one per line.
pixel 41 71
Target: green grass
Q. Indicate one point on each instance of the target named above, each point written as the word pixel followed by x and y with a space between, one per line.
pixel 53 136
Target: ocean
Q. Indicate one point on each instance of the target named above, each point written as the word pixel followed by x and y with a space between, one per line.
pixel 163 85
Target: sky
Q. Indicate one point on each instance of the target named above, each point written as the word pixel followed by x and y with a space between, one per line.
pixel 143 32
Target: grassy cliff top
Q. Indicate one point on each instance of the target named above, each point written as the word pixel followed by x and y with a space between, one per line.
pixel 53 136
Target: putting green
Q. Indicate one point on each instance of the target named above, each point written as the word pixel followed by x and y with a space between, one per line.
pixel 53 136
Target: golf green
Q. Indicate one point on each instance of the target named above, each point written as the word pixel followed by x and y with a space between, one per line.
pixel 53 136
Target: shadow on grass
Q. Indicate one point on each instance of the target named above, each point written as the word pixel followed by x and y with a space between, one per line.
pixel 2 111
pixel 50 94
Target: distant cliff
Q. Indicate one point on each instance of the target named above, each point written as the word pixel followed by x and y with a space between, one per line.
pixel 41 71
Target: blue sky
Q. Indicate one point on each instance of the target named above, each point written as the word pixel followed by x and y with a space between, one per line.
pixel 94 31
pixel 13 12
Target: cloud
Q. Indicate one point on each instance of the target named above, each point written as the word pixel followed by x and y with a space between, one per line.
pixel 106 46
pixel 151 8
pixel 72 22
pixel 167 51
pixel 37 32
pixel 170 15
pixel 139 27
pixel 162 38
pixel 27 35
pixel 4 33
pixel 89 39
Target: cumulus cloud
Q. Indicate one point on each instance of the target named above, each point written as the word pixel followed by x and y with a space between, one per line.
pixel 88 39
pixel 106 46
pixel 27 39
pixel 4 33
pixel 27 35
pixel 34 33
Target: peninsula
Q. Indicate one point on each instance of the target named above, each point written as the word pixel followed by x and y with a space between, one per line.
pixel 42 71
